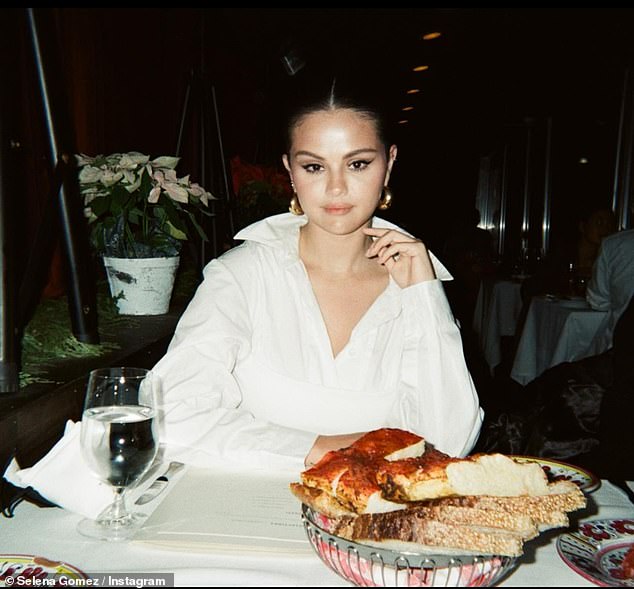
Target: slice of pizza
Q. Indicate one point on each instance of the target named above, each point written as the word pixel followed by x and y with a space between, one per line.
pixel 349 474
pixel 389 444
pixel 351 480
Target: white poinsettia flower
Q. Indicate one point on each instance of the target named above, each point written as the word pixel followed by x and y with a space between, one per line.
pixel 154 195
pixel 110 178
pixel 129 176
pixel 176 192
pixel 112 160
pixel 90 174
pixel 133 160
pixel 83 159
pixel 199 192
pixel 165 161
pixel 170 176
pixel 135 184
pixel 158 177
pixel 168 182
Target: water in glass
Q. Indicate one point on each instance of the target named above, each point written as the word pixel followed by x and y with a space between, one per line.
pixel 118 441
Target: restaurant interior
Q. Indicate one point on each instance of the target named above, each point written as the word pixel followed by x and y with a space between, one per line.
pixel 523 114
pixel 515 134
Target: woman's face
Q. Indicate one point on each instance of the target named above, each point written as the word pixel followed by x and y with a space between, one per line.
pixel 339 167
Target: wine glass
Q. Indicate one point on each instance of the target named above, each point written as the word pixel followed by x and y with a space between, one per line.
pixel 119 441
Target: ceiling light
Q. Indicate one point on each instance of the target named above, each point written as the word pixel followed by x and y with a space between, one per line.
pixel 408 108
pixel 583 160
pixel 430 36
pixel 403 122
pixel 413 91
pixel 421 68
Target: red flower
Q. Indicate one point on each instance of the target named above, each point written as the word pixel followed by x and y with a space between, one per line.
pixel 244 175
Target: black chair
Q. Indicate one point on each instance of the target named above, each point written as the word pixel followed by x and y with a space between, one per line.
pixel 617 407
pixel 580 412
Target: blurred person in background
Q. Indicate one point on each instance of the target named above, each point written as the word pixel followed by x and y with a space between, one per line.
pixel 568 266
pixel 469 255
pixel 612 283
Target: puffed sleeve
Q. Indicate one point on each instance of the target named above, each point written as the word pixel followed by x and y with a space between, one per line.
pixel 201 419
pixel 439 400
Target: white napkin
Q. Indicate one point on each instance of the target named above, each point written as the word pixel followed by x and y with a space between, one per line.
pixel 63 477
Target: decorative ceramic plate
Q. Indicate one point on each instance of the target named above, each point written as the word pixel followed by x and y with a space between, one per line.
pixel 596 550
pixel 562 471
pixel 26 569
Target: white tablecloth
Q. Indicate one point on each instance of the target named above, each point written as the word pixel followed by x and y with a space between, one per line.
pixel 555 331
pixel 51 533
pixel 496 313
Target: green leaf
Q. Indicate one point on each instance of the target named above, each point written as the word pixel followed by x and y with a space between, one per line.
pixel 100 205
pixel 198 228
pixel 175 233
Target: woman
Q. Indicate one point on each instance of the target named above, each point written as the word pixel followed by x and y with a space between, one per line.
pixel 325 323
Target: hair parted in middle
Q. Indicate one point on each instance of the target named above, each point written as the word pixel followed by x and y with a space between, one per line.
pixel 334 95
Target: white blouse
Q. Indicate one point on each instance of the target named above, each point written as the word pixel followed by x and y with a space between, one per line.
pixel 250 378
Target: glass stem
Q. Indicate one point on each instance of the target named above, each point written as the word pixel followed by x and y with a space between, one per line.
pixel 119 512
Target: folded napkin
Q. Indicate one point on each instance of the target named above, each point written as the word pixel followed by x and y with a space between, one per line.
pixel 63 478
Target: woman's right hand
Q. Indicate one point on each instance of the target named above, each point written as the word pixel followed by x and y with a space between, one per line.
pixel 324 444
pixel 406 258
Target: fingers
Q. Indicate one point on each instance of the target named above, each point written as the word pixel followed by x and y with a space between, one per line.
pixel 391 253
pixel 405 257
pixel 389 244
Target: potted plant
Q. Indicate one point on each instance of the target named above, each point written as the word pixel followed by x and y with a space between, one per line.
pixel 139 213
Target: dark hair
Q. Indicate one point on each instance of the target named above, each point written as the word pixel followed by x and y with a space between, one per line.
pixel 338 95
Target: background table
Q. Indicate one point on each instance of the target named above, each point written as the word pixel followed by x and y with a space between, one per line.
pixel 555 331
pixel 496 313
pixel 51 533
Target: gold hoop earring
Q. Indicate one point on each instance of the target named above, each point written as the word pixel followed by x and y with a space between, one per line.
pixel 385 202
pixel 295 207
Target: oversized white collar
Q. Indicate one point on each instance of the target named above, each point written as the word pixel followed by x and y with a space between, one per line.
pixel 282 232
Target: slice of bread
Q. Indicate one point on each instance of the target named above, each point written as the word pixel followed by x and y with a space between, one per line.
pixel 548 510
pixel 435 474
pixel 320 501
pixel 417 533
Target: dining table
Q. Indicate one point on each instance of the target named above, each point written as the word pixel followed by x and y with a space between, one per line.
pixel 51 534
pixel 496 314
pixel 556 329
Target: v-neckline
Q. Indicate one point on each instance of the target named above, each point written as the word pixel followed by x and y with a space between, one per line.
pixel 322 322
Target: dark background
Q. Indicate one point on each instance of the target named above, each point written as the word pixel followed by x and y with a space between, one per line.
pixel 127 73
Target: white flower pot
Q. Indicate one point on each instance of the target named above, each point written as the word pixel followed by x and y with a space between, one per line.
pixel 141 286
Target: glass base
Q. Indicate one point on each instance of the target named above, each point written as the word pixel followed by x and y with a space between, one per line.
pixel 112 530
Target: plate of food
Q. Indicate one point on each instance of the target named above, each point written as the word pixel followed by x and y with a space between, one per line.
pixel 600 551
pixel 28 569
pixel 562 471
